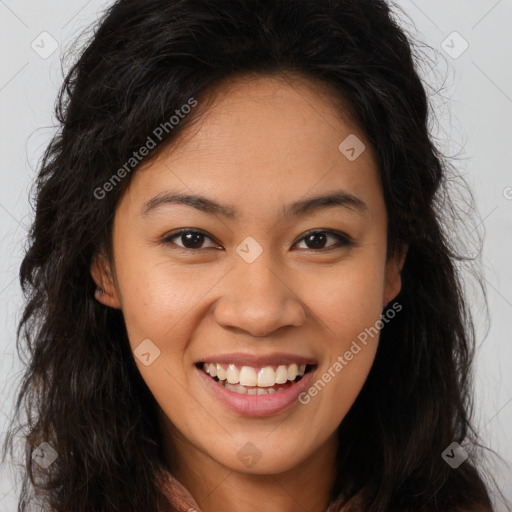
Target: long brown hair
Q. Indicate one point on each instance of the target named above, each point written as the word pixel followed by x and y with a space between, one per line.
pixel 82 392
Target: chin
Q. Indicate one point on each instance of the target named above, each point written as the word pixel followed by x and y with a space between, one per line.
pixel 259 458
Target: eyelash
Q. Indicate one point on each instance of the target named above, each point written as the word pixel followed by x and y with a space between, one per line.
pixel 343 240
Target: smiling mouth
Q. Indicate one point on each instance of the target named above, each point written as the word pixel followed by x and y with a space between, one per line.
pixel 248 380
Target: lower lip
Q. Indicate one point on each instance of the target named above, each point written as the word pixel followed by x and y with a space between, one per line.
pixel 257 405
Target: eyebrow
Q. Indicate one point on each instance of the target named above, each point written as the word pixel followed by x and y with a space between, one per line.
pixel 337 198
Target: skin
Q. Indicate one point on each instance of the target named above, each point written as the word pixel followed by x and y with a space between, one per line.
pixel 262 144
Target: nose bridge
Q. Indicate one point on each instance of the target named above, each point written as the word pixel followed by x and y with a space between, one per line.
pixel 259 282
pixel 256 298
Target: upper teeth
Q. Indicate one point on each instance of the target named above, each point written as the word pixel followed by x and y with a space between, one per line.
pixel 249 376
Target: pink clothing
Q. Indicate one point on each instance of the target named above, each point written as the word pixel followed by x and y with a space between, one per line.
pixel 182 500
pixel 177 494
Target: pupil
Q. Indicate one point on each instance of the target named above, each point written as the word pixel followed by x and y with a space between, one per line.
pixel 316 236
pixel 192 240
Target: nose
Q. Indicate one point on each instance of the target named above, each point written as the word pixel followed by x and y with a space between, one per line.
pixel 258 300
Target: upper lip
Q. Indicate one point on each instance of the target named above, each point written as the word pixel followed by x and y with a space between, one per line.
pixel 259 360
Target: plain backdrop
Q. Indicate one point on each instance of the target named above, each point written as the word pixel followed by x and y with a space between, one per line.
pixel 470 80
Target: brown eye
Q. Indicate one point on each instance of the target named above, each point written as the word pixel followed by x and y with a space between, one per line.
pixel 317 240
pixel 190 239
pixel 193 240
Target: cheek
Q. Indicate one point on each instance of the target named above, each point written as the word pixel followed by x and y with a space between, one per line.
pixel 161 304
pixel 347 299
pixel 158 298
pixel 347 304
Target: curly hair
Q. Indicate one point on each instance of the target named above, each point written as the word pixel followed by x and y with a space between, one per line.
pixel 82 392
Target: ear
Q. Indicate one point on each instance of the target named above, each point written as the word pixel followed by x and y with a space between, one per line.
pixel 106 291
pixel 393 279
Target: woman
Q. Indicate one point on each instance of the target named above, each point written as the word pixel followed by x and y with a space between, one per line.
pixel 240 293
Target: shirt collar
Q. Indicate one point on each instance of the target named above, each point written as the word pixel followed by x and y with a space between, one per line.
pixel 178 495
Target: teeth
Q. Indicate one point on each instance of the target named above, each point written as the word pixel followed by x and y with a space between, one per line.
pixel 293 370
pixel 248 376
pixel 233 375
pixel 212 369
pixel 282 374
pixel 236 388
pixel 221 374
pixel 266 377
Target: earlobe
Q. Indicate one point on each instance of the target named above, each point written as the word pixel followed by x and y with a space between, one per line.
pixel 393 282
pixel 106 292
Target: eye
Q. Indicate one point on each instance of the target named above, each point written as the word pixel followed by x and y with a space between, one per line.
pixel 317 240
pixel 191 239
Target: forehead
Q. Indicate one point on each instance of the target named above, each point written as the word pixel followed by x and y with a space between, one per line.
pixel 280 111
pixel 264 139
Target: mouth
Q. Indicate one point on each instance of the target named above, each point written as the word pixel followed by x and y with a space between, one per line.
pixel 255 380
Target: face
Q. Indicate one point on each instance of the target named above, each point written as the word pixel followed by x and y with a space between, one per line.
pixel 268 283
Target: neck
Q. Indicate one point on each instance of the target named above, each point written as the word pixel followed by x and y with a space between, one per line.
pixel 306 486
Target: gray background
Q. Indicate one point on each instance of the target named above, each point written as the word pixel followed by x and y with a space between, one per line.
pixel 473 111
